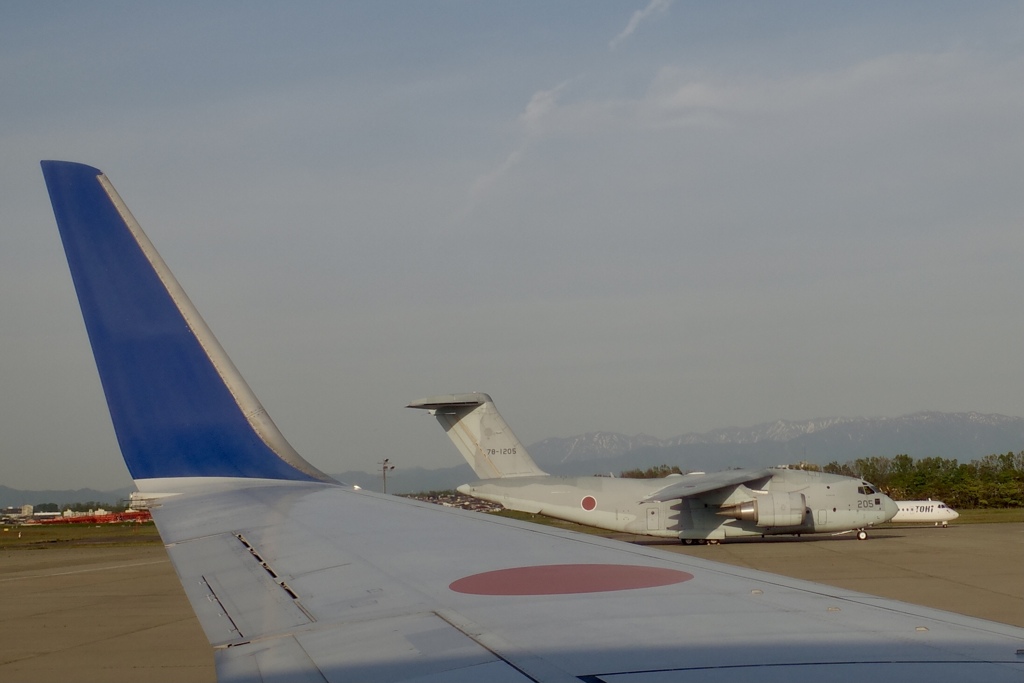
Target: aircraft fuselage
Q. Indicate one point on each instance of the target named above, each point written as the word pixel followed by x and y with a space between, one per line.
pixel 831 503
pixel 924 511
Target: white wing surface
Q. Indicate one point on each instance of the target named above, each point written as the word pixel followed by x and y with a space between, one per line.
pixel 691 485
pixel 295 577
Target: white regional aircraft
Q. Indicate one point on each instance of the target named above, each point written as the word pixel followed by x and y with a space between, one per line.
pixel 296 577
pixel 924 511
pixel 695 508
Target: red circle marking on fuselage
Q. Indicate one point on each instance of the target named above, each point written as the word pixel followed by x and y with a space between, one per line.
pixel 588 503
pixel 563 579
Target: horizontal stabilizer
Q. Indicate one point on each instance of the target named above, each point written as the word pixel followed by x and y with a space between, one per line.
pixel 481 435
pixel 450 402
pixel 179 406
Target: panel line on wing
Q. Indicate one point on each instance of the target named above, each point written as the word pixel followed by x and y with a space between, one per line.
pixel 235 596
pixel 534 667
pixel 211 595
pixel 854 666
pixel 275 576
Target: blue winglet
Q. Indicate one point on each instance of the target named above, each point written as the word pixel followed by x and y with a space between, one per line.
pixel 179 407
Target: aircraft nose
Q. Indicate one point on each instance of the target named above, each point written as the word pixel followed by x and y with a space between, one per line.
pixel 890 507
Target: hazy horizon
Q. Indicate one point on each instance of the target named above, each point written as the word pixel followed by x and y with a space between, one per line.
pixel 653 217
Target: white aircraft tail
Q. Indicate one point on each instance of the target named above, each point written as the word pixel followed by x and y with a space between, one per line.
pixel 481 435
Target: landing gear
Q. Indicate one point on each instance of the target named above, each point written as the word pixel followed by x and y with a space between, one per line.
pixel 862 535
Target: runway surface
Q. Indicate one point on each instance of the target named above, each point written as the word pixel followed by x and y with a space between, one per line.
pixel 119 614
pixel 974 569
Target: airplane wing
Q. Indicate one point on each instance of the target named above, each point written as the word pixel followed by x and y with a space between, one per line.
pixel 692 485
pixel 295 577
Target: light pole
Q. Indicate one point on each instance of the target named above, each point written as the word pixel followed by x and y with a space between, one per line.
pixel 385 467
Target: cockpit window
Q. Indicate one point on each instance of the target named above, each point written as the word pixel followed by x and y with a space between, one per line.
pixel 866 489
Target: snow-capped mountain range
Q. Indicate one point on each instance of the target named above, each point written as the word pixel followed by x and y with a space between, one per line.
pixel 957 435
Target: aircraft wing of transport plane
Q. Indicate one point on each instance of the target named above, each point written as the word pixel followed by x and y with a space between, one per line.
pixel 696 508
pixel 924 511
pixel 296 577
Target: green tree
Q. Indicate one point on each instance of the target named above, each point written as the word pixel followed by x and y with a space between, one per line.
pixel 901 474
pixel 991 481
pixel 874 469
pixel 651 472
pixel 835 468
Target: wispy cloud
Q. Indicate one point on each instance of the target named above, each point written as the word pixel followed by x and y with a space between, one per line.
pixel 654 7
pixel 540 105
pixel 539 108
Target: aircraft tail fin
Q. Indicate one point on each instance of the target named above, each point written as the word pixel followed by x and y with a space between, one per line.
pixel 481 435
pixel 179 406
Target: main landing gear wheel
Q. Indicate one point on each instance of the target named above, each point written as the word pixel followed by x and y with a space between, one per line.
pixel 862 535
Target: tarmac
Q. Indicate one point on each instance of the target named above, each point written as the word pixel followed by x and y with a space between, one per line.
pixel 973 569
pixel 119 614
pixel 98 614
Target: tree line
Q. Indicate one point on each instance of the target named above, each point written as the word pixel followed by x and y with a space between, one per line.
pixel 651 472
pixel 995 481
pixel 79 507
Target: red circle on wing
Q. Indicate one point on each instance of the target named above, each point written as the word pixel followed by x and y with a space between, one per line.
pixel 588 503
pixel 563 579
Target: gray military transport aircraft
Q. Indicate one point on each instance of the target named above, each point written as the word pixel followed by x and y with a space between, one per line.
pixel 695 508
pixel 297 577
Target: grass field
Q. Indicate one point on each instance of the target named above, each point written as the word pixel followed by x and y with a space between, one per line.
pixel 990 516
pixel 42 536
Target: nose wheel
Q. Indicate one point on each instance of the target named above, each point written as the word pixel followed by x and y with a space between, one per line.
pixel 862 535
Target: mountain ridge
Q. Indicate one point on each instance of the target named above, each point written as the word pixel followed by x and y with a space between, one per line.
pixel 16 497
pixel 601 445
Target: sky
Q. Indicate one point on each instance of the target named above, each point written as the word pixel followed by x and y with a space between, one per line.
pixel 645 217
